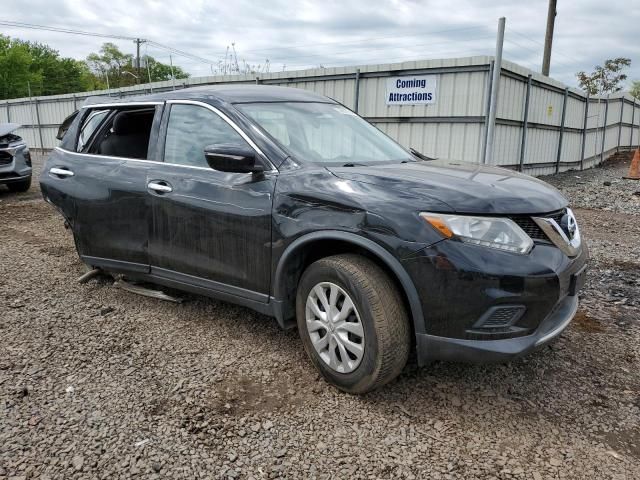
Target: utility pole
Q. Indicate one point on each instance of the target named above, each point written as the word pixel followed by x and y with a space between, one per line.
pixel 138 41
pixel 493 101
pixel 548 38
pixel 173 77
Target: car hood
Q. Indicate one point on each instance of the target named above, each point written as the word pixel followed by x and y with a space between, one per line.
pixel 465 187
pixel 7 128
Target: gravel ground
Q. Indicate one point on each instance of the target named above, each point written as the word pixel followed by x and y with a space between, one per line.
pixel 96 382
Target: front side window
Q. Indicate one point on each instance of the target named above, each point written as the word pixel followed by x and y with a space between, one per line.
pixel 93 121
pixel 324 133
pixel 191 128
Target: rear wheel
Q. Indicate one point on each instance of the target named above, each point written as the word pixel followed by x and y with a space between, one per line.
pixel 21 186
pixel 352 322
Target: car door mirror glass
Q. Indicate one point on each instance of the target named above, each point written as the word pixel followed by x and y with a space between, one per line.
pixel 232 158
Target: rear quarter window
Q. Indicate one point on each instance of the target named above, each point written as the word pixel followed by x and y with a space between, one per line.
pixel 89 126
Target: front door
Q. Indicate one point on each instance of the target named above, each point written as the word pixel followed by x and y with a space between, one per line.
pixel 210 228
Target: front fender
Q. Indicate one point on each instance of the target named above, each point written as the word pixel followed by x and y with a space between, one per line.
pixel 375 249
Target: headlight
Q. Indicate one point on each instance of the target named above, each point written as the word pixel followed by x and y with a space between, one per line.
pixel 493 232
pixel 15 149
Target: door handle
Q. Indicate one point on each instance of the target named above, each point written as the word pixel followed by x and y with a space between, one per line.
pixel 61 172
pixel 160 187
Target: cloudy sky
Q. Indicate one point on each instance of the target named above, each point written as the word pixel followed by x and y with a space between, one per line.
pixel 307 33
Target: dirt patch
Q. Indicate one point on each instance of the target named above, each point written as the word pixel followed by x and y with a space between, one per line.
pixel 586 323
pixel 626 440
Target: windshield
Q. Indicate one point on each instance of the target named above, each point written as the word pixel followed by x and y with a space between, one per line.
pixel 325 133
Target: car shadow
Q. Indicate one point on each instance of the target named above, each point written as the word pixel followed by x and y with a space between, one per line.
pixel 6 194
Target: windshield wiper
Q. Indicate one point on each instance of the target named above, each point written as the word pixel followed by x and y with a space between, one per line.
pixel 351 164
pixel 421 156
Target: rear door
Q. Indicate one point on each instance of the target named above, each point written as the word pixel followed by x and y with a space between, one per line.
pixel 210 228
pixel 58 181
pixel 112 211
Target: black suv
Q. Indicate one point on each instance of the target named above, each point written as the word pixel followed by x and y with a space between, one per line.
pixel 288 203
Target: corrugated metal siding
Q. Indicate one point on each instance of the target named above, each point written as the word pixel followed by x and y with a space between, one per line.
pixel 507 145
pixel 571 147
pixel 575 113
pixel 545 106
pixel 511 98
pixel 457 141
pixel 453 127
pixel 542 146
pixel 596 113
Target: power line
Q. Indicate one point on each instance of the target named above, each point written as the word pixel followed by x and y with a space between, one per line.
pixel 104 35
pixel 182 53
pixel 207 61
pixel 63 30
pixel 286 60
pixel 555 50
pixel 537 55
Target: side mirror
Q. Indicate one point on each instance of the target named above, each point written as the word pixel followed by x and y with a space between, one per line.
pixel 232 158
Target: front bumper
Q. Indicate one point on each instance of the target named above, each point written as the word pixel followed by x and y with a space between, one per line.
pixel 17 170
pixel 462 285
pixel 431 347
pixel 13 178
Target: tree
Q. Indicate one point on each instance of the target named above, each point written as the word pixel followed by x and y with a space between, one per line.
pixel 119 68
pixel 604 79
pixel 159 71
pixel 56 74
pixel 31 68
pixel 37 69
pixel 114 66
pixel 635 89
pixel 16 76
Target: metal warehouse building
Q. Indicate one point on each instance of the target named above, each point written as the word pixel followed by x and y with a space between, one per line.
pixel 542 126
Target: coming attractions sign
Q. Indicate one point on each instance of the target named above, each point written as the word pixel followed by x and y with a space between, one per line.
pixel 411 90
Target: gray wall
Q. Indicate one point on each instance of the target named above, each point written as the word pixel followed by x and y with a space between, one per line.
pixel 454 127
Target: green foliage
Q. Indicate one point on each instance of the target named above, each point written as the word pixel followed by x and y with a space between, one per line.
pixel 37 69
pixel 161 71
pixel 16 74
pixel 113 67
pixel 635 89
pixel 120 70
pixel 57 75
pixel 604 79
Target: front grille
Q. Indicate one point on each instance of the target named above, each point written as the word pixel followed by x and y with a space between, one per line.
pixel 5 158
pixel 532 229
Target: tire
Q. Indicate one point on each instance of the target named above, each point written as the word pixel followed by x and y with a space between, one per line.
pixel 382 316
pixel 21 186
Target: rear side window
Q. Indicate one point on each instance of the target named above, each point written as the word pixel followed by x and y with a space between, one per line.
pixel 90 125
pixel 191 128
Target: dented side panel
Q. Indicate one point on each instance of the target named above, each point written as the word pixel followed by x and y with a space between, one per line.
pixel 312 200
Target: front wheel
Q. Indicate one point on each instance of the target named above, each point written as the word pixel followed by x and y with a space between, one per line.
pixel 21 186
pixel 352 322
